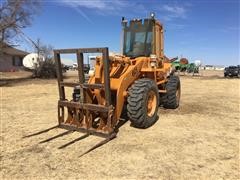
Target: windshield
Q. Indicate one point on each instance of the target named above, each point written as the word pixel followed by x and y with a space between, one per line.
pixel 138 40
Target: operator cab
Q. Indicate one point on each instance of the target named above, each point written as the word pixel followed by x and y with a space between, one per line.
pixel 138 38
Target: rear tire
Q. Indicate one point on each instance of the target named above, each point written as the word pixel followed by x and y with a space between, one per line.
pixel 170 100
pixel 143 102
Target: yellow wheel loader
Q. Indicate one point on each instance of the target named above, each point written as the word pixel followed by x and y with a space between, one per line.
pixel 136 82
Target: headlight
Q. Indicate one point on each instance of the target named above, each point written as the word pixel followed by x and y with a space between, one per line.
pixel 152 15
pixel 153 60
pixel 153 64
pixel 91 72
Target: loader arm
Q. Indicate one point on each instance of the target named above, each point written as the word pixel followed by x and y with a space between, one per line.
pixel 122 84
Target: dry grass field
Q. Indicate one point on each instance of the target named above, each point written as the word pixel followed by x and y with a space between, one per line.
pixel 200 140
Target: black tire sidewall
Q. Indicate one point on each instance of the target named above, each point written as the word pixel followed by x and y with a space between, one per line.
pixel 142 120
pixel 172 86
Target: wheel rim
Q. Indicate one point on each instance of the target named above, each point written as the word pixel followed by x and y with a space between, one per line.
pixel 151 103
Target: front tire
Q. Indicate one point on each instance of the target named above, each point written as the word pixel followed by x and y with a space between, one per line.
pixel 143 102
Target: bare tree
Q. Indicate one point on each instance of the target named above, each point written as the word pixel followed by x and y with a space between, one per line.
pixel 46 50
pixel 15 15
pixel 47 68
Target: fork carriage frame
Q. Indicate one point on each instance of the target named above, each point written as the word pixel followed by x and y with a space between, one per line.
pixel 80 114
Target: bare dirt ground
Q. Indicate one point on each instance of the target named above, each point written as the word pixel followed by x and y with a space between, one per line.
pixel 200 140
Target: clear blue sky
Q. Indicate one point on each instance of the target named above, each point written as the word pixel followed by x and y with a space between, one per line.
pixel 206 30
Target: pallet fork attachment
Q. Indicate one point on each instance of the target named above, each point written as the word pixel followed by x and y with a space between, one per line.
pixel 101 143
pixel 83 114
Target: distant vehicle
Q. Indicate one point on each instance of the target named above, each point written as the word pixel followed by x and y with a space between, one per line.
pixel 183 65
pixel 232 71
pixel 65 68
pixel 75 66
pixel 86 67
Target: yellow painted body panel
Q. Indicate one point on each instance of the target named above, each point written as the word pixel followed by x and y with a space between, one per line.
pixel 123 72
